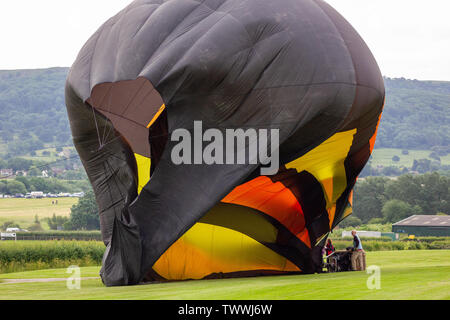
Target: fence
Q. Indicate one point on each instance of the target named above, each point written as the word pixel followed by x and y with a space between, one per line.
pixel 79 236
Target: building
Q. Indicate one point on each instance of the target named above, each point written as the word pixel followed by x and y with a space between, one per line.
pixel 6 172
pixel 424 225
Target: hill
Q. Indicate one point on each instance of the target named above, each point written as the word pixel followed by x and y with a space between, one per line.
pixel 416 115
pixel 33 113
pixel 33 116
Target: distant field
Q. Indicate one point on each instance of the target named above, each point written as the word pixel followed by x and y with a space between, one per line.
pixel 23 211
pixel 423 274
pixel 48 158
pixel 383 156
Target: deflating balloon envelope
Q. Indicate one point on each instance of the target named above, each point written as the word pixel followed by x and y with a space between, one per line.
pixel 294 66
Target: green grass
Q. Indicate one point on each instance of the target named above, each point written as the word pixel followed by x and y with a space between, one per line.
pixel 23 211
pixel 383 156
pixel 404 275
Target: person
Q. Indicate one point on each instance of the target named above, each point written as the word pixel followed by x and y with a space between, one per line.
pixel 358 255
pixel 329 248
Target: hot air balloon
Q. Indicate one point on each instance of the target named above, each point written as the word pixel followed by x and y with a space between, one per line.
pixel 158 67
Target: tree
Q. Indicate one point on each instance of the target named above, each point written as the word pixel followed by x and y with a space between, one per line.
pixel 10 224
pixel 36 226
pixel 84 215
pixel 56 222
pixel 435 156
pixel 421 165
pixel 351 221
pixel 391 171
pixel 24 180
pixel 34 172
pixel 396 210
pixel 396 158
pixel 14 187
pixel 369 197
pixel 19 164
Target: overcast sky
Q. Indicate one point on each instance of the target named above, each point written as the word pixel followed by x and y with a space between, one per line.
pixel 409 38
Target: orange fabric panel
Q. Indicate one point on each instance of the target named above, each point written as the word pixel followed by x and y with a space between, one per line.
pixel 374 137
pixel 331 214
pixel 304 236
pixel 273 199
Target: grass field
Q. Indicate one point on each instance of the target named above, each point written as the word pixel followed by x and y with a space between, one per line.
pixel 383 156
pixel 421 274
pixel 23 211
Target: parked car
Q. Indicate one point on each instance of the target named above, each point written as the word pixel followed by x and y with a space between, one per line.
pixel 37 194
pixel 78 194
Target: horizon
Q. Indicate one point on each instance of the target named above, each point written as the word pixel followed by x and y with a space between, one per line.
pixel 384 76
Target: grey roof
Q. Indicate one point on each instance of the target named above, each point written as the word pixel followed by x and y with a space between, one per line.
pixel 425 221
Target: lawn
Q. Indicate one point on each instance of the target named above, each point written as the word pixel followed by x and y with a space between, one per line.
pixel 383 156
pixel 421 274
pixel 23 211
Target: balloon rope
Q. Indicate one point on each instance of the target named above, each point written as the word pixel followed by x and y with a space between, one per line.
pixel 96 126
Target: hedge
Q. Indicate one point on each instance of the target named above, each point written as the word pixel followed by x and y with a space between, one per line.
pixel 16 256
pixel 60 235
pixel 371 245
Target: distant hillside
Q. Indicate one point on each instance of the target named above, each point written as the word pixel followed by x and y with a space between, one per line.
pixel 416 115
pixel 33 115
pixel 32 111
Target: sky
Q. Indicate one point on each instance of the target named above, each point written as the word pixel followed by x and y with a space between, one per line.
pixel 409 38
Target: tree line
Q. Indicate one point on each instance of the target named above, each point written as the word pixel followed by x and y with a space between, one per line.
pixel 384 200
pixel 23 185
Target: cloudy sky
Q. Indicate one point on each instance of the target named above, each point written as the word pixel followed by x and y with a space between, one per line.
pixel 409 38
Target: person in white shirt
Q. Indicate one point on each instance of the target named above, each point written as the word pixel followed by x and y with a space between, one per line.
pixel 358 255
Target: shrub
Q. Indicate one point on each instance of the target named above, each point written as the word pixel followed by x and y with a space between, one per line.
pixel 10 224
pixel 376 221
pixel 351 221
pixel 18 256
pixel 377 245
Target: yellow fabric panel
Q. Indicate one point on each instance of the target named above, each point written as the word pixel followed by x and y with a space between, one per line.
pixel 348 211
pixel 326 164
pixel 143 166
pixel 207 249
